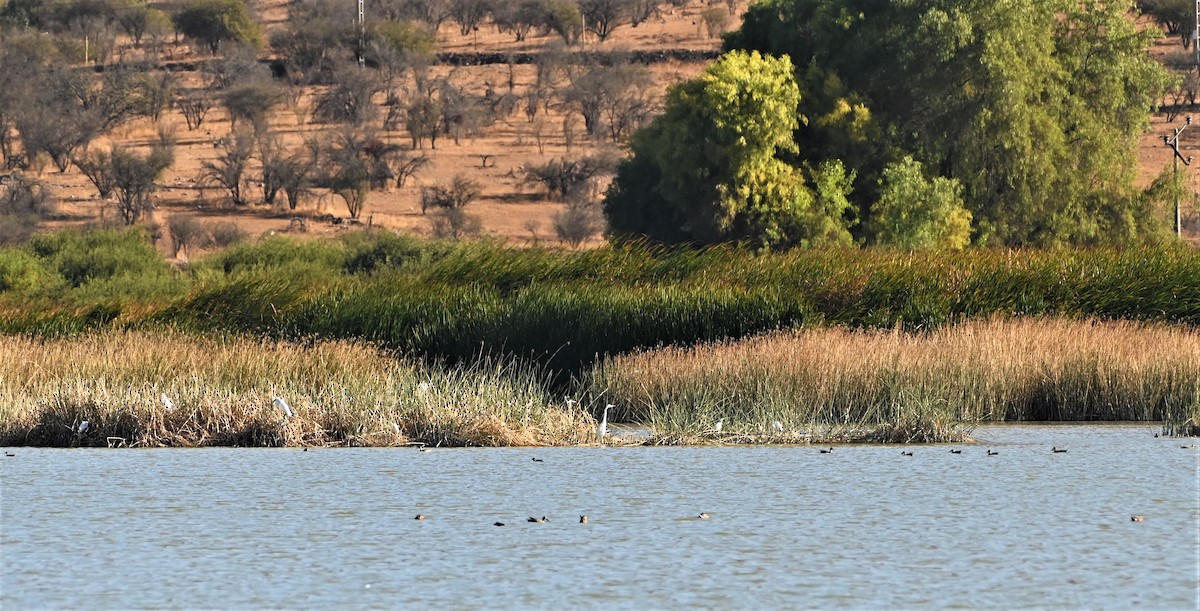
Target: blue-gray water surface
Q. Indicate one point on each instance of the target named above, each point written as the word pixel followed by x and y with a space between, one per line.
pixel 861 527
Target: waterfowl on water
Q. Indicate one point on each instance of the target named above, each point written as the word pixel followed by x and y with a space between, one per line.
pixel 1137 519
pixel 420 516
pixel 583 520
pixel 703 516
pixel 991 453
pixel 1058 450
pixel 903 453
pixel 829 451
pixel 498 524
pixel 538 460
pixel 1187 447
pixel 956 451
pixel 9 454
pixel 538 520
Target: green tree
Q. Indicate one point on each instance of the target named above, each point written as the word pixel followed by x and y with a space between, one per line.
pixel 917 212
pixel 1035 107
pixel 213 22
pixel 709 170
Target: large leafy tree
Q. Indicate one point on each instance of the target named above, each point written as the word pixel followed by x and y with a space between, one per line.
pixel 213 22
pixel 711 168
pixel 1034 107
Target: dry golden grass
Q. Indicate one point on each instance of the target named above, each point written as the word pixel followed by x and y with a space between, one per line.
pixel 341 393
pixel 842 383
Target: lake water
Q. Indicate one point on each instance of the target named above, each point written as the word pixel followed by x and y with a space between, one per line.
pixel 862 527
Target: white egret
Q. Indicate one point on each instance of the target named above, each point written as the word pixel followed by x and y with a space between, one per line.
pixel 84 426
pixel 167 403
pixel 602 430
pixel 778 426
pixel 283 406
pixel 396 428
pixel 718 426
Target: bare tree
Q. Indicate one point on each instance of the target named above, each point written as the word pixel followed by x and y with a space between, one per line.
pixel 23 203
pixel 460 192
pixel 715 20
pixel 348 99
pixel 468 14
pixel 135 177
pixel 601 17
pixel 185 231
pixel 96 166
pixel 251 102
pixel 455 224
pixel 407 166
pixel 578 222
pixel 616 93
pixel 194 105
pixel 228 170
pixel 571 179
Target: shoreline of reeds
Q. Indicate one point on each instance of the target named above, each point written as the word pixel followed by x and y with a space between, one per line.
pixel 816 385
pixel 922 387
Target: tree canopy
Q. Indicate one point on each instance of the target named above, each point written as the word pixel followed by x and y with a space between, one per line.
pixel 711 168
pixel 213 22
pixel 1035 108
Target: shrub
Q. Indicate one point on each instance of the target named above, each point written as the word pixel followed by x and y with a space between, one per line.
pixel 23 203
pixel 81 257
pixel 185 231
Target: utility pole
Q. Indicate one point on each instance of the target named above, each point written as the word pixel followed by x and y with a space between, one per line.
pixel 1173 142
pixel 363 31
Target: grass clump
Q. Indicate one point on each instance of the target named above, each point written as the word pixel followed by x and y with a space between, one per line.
pixel 892 386
pixel 342 393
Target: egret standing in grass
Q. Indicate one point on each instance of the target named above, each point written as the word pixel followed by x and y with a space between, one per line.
pixel 167 403
pixel 778 426
pixel 602 430
pixel 283 406
pixel 84 426
pixel 718 426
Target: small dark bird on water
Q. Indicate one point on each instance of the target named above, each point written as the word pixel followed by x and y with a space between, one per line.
pixel 956 451
pixel 538 460
pixel 1058 450
pixel 420 516
pixel 991 453
pixel 906 453
pixel 538 520
pixel 583 520
pixel 498 524
pixel 9 454
pixel 829 451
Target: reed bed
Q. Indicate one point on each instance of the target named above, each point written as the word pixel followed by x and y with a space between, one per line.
pixel 895 386
pixel 341 393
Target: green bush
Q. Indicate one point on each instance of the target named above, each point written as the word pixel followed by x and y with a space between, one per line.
pixel 21 271
pixel 81 257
